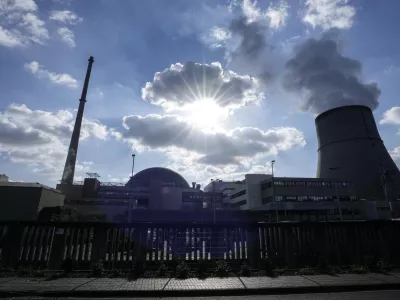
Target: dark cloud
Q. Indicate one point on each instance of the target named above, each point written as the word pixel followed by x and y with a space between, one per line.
pixel 252 54
pixel 331 79
pixel 182 84
pixel 162 132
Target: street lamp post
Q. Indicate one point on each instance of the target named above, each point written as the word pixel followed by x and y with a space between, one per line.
pixel 337 195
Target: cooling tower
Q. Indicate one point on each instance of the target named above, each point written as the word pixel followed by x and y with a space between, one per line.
pixel 350 148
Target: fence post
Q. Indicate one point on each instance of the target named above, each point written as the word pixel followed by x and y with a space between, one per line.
pixel 99 244
pixel 57 248
pixel 12 244
pixel 253 246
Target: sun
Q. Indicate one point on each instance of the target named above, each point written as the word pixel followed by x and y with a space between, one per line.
pixel 206 113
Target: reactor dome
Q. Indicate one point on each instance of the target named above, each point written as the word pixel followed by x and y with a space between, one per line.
pixel 144 177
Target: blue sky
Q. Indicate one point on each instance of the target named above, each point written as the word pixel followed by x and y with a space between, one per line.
pixel 235 123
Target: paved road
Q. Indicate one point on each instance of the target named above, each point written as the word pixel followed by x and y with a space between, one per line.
pixel 371 295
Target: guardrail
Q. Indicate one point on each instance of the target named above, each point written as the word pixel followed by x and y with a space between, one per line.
pixel 46 245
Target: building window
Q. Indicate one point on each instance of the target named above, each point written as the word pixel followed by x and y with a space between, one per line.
pixel 278 198
pixel 266 200
pixel 238 194
pixel 291 198
pixel 239 203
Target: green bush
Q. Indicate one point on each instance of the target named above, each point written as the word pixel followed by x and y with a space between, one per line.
pixel 115 273
pixel 268 267
pixel 182 270
pixel 370 261
pixel 97 269
pixel 359 269
pixel 245 269
pixel 162 270
pixel 138 268
pixel 307 271
pixel 201 268
pixel 222 268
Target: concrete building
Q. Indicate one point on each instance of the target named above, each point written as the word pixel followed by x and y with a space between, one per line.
pixel 22 201
pixel 350 148
pixel 150 189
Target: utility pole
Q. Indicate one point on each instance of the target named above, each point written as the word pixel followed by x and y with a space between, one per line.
pixel 337 195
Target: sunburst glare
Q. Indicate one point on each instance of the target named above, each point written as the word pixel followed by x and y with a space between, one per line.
pixel 206 114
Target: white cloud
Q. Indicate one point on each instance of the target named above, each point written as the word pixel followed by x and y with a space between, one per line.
pixel 61 79
pixel 67 36
pixel 36 28
pixel 233 147
pixel 201 156
pixel 275 15
pixel 10 38
pixel 20 24
pixel 65 16
pixel 329 14
pixel 391 116
pixel 182 84
pixel 39 139
pixel 395 154
pixel 216 37
pixel 21 5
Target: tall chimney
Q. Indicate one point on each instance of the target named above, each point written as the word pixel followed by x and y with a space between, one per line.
pixel 69 168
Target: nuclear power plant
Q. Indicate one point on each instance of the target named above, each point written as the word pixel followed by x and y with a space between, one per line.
pixel 350 147
pixel 356 179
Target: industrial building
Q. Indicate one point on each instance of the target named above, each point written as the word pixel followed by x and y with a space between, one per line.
pixel 150 189
pixel 26 201
pixel 356 179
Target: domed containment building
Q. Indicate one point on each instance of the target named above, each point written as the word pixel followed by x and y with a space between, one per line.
pixel 151 175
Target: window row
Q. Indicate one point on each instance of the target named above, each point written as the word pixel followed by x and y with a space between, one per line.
pixel 313 198
pixel 312 184
pixel 239 203
pixel 238 194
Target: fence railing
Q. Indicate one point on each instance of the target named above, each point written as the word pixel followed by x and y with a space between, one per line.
pixel 46 245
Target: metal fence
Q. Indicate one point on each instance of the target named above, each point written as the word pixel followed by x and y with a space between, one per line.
pixel 46 245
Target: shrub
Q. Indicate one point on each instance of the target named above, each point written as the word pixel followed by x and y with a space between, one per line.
pixel 268 267
pixel 138 268
pixel 97 269
pixel 39 273
pixel 55 276
pixel 383 265
pixel 307 271
pixel 370 261
pixel 201 268
pixel 359 269
pixel 162 270
pixel 115 273
pixel 182 270
pixel 245 269
pixel 174 265
pixel 222 268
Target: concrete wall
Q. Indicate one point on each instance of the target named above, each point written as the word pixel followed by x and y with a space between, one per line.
pixel 50 198
pixel 19 203
pixel 253 189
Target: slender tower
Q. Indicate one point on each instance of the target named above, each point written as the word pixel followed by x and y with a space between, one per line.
pixel 69 168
